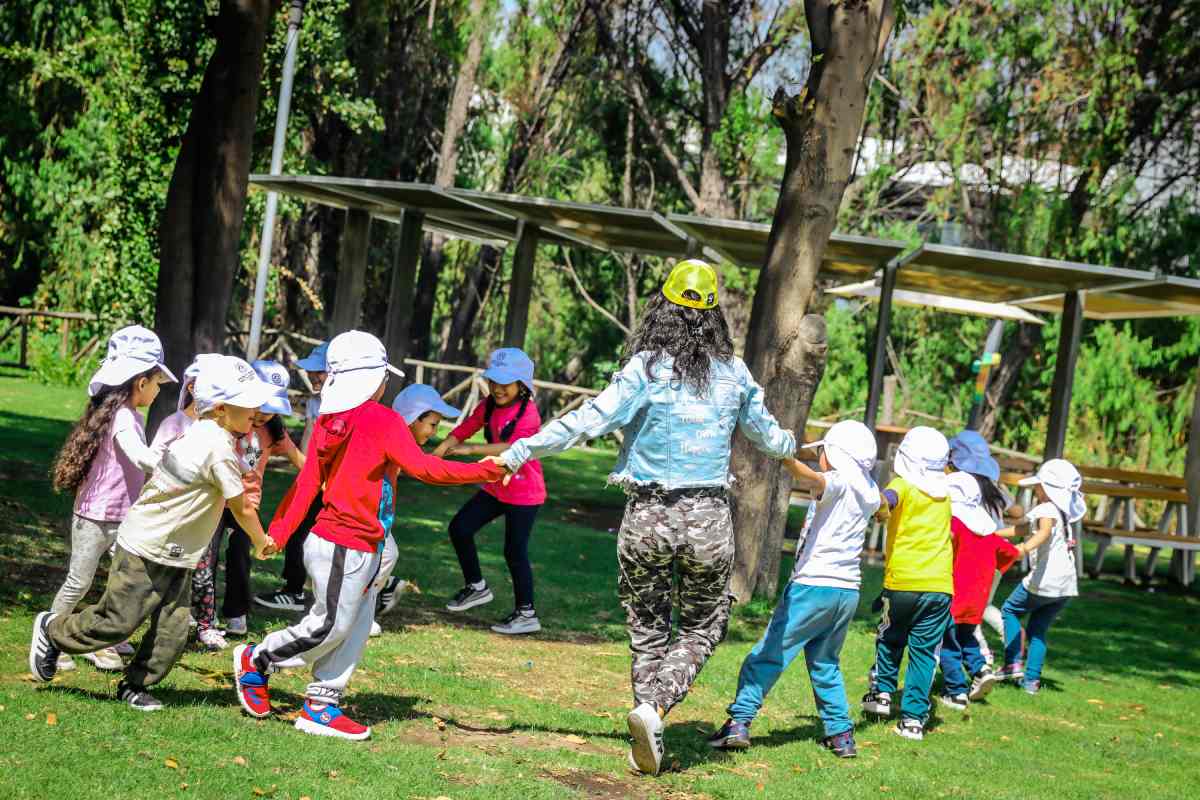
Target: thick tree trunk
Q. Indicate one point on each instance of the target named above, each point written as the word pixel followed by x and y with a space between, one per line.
pixel 1192 469
pixel 784 347
pixel 1004 380
pixel 457 346
pixel 206 200
pixel 432 257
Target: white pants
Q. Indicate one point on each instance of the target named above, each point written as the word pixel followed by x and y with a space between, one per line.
pixel 333 633
pixel 90 540
pixel 391 553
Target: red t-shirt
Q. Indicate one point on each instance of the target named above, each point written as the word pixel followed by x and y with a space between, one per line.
pixel 350 455
pixel 976 559
pixel 528 485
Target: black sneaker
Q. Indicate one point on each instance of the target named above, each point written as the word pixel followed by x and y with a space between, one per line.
pixel 841 744
pixel 518 622
pixel 733 735
pixel 43 655
pixel 469 597
pixel 389 597
pixel 137 697
pixel 985 681
pixel 910 729
pixel 958 701
pixel 281 601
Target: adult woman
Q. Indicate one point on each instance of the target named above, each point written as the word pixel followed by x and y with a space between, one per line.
pixel 677 399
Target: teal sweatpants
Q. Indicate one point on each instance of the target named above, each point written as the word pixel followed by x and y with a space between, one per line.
pixel 918 621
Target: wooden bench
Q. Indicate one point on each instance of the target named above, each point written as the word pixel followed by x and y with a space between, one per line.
pixel 1105 537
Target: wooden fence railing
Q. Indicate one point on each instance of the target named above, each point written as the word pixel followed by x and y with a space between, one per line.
pixel 22 318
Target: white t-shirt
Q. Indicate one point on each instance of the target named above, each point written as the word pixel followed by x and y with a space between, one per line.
pixel 1052 566
pixel 831 543
pixel 175 516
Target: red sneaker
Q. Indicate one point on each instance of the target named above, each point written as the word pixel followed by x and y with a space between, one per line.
pixel 250 683
pixel 330 721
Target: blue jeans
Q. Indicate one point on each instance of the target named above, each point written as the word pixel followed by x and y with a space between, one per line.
pixel 1041 611
pixel 916 621
pixel 960 649
pixel 812 618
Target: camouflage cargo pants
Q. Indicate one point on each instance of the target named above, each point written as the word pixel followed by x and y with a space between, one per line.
pixel 689 539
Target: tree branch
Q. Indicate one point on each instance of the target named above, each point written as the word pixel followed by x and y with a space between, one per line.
pixel 569 268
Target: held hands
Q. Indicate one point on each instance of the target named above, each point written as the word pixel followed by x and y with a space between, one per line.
pixel 508 475
pixel 264 548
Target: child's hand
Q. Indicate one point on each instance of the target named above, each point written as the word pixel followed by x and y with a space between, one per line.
pixel 443 449
pixel 265 548
pixel 460 450
pixel 500 463
pixel 883 513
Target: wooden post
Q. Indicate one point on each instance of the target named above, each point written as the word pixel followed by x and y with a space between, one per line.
pixel 887 417
pixel 520 290
pixel 23 360
pixel 1064 375
pixel 883 325
pixel 64 344
pixel 400 298
pixel 352 271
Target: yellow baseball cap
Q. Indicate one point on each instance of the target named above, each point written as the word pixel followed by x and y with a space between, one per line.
pixel 694 275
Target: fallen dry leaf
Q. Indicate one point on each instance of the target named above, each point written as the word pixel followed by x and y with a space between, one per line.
pixel 239 760
pixel 1096 702
pixel 333 774
pixel 31 716
pixel 1 708
pixel 52 718
pixel 759 787
pixel 171 763
pixel 1004 739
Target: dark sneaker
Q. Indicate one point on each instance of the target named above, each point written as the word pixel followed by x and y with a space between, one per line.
pixel 251 685
pixel 956 701
pixel 330 721
pixel 910 729
pixel 519 622
pixel 1011 672
pixel 1031 687
pixel 43 655
pixel 469 597
pixel 137 697
pixel 646 731
pixel 281 601
pixel 733 735
pixel 985 681
pixel 877 703
pixel 841 744
pixel 389 597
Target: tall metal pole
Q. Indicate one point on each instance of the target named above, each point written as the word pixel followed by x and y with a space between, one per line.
pixel 295 15
pixel 989 359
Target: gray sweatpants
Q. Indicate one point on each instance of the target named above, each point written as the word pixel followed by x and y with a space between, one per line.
pixel 90 540
pixel 333 633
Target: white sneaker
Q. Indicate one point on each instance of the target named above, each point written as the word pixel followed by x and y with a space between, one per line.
pixel 106 660
pixel 958 702
pixel 877 703
pixel 910 729
pixel 236 626
pixel 65 663
pixel 376 630
pixel 518 622
pixel 646 729
pixel 212 640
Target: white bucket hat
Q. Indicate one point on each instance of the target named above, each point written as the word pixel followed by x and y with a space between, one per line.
pixel 1061 481
pixel 921 460
pixel 419 398
pixel 357 364
pixel 193 372
pixel 131 351
pixel 276 374
pixel 851 450
pixel 230 381
pixel 966 503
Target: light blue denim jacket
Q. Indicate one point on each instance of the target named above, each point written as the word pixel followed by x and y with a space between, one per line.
pixel 674 438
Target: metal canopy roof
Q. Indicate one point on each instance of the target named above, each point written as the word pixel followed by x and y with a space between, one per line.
pixel 952 272
pixel 870 290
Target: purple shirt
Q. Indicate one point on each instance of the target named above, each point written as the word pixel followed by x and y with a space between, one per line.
pixel 171 429
pixel 113 482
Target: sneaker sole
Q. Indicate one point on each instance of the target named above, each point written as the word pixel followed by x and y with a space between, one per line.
pixel 145 709
pixel 912 737
pixel 279 606
pixel 952 704
pixel 878 711
pixel 237 684
pixel 481 601
pixel 317 729
pixel 33 648
pixel 986 684
pixel 643 749
pixel 729 743
pixel 511 632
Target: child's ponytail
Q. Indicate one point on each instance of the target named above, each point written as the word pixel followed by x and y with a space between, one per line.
pixel 74 460
pixel 509 427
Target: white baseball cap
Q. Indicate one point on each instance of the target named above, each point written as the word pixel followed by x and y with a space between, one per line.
pixel 418 398
pixel 921 460
pixel 850 449
pixel 230 381
pixel 276 374
pixel 192 372
pixel 131 351
pixel 357 366
pixel 1061 482
pixel 966 503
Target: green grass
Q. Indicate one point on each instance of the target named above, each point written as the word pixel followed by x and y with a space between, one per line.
pixel 461 713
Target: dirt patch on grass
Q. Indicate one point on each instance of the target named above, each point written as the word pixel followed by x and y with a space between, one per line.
pixel 602 518
pixel 595 785
pixel 499 736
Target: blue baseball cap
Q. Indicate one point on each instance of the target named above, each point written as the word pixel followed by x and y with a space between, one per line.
pixel 419 398
pixel 315 361
pixel 276 374
pixel 969 452
pixel 510 365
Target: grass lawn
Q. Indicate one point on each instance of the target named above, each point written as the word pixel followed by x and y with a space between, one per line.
pixel 459 712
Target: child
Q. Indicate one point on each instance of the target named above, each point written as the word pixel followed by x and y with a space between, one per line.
pixel 161 540
pixel 104 463
pixel 290 596
pixel 354 442
pixel 507 415
pixel 979 551
pixel 815 611
pixel 1052 579
pixel 267 438
pixel 918 580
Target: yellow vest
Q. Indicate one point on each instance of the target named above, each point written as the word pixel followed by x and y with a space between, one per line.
pixel 919 548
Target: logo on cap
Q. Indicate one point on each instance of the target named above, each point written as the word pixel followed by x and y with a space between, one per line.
pixel 277 379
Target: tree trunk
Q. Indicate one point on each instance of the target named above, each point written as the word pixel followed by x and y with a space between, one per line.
pixel 432 260
pixel 1026 342
pixel 1192 468
pixel 456 347
pixel 206 199
pixel 785 346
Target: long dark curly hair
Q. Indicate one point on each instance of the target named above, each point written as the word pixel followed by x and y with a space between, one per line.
pixel 692 337
pixel 75 458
